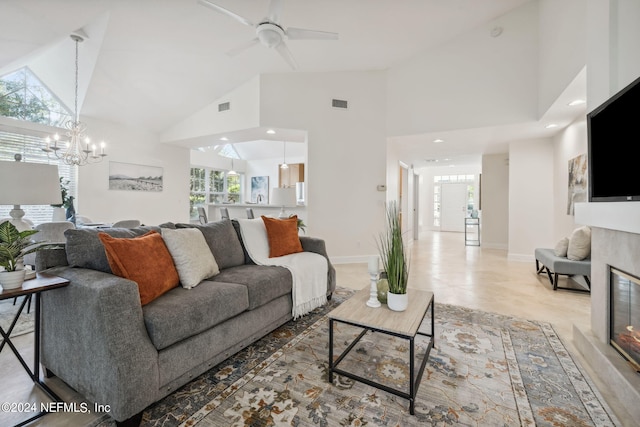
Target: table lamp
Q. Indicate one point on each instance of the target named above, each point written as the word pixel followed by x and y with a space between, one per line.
pixel 285 197
pixel 28 184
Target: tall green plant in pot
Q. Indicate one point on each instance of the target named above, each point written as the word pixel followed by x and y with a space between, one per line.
pixel 394 259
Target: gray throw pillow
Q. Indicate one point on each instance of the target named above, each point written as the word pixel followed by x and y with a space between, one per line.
pixel 222 240
pixel 85 250
pixel 579 244
pixel 191 255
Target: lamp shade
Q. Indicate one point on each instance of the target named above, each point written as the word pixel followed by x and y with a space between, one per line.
pixel 283 197
pixel 29 184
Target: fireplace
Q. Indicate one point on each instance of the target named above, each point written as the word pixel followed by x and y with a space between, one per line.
pixel 624 329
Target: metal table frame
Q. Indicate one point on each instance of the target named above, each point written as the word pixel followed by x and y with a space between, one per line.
pixel 415 378
pixel 32 287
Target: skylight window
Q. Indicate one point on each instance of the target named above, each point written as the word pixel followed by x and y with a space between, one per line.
pixel 24 97
pixel 229 151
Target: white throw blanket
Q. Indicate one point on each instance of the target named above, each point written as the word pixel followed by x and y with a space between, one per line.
pixel 308 270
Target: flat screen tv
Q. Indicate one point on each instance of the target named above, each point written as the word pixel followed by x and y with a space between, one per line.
pixel 614 137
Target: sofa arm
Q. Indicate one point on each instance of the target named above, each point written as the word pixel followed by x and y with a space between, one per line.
pixel 94 338
pixel 316 245
pixel 48 258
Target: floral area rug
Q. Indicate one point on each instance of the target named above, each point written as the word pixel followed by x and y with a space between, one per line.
pixel 25 321
pixel 485 370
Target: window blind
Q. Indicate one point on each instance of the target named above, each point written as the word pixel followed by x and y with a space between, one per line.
pixel 31 149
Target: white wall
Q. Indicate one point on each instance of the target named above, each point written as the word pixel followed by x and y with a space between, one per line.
pixel 244 114
pixel 494 194
pixel 475 80
pixel 128 145
pixel 570 143
pixel 563 47
pixel 346 152
pixel 531 199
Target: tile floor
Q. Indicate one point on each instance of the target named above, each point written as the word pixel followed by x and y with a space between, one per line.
pixel 469 276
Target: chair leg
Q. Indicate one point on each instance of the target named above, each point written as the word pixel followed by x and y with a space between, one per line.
pixel 555 281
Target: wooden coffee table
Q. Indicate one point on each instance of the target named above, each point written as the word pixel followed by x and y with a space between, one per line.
pixel 403 324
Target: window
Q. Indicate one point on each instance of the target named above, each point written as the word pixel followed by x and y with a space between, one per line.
pixel 213 186
pixel 24 97
pixel 444 179
pixel 31 149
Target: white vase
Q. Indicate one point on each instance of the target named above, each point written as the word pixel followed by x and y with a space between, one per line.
pixel 59 214
pixel 11 279
pixel 397 302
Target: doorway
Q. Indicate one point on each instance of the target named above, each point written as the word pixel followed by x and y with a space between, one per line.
pixel 453 208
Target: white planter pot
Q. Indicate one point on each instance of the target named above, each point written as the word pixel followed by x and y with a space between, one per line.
pixel 59 214
pixel 11 279
pixel 397 302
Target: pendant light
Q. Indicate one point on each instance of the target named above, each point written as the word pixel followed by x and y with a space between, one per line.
pixel 75 147
pixel 284 164
pixel 232 172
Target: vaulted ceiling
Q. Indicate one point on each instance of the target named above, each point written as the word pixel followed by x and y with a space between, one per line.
pixel 152 63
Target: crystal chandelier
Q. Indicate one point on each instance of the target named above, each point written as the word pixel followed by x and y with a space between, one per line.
pixel 75 148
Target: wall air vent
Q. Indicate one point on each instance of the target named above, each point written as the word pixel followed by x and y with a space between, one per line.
pixel 339 103
pixel 225 106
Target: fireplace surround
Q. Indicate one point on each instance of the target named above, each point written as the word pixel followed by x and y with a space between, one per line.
pixel 615 241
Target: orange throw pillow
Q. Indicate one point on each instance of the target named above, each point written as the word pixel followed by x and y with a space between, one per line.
pixel 145 260
pixel 282 235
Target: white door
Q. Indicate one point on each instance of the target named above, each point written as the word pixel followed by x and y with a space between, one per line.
pixel 453 207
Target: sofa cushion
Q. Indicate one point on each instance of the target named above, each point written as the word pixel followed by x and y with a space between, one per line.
pixel 145 260
pixel 282 235
pixel 85 250
pixel 181 313
pixel 263 283
pixel 222 240
pixel 579 244
pixel 191 255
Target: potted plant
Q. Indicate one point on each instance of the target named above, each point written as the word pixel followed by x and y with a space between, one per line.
pixel 59 211
pixel 394 259
pixel 14 245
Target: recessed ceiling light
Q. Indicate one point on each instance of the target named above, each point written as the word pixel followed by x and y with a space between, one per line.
pixel 576 102
pixel 551 126
pixel 438 140
pixel 224 138
pixel 271 131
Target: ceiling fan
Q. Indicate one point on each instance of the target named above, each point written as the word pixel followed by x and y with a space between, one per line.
pixel 271 33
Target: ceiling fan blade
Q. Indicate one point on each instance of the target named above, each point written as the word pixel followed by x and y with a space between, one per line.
pixel 275 7
pixel 303 34
pixel 227 12
pixel 236 50
pixel 284 51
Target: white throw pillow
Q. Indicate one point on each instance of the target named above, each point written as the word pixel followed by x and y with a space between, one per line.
pixel 579 244
pixel 561 247
pixel 191 255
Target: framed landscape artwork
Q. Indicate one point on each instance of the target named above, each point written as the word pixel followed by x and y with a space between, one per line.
pixel 260 190
pixel 130 177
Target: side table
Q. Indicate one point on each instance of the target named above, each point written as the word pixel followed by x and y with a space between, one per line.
pixel 41 283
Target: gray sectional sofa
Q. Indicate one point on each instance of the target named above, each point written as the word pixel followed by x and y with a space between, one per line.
pixel 99 340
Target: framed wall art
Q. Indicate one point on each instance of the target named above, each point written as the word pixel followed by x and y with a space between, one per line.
pixel 131 177
pixel 260 190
